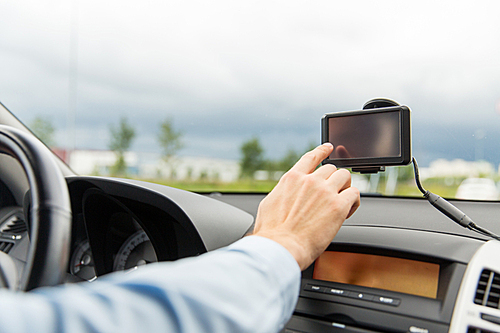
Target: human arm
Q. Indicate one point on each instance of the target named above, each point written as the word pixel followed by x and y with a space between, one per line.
pixel 250 286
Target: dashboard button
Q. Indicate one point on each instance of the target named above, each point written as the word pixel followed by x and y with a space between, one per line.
pixel 363 296
pixel 315 288
pixel 490 318
pixel 336 291
pixel 386 300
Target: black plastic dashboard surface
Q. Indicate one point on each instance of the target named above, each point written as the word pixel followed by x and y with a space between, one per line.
pixel 121 224
pixel 396 212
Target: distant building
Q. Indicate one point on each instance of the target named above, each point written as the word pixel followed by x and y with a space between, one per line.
pixel 152 166
pixel 192 168
pixel 99 162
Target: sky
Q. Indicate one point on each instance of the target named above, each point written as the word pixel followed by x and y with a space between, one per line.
pixel 227 71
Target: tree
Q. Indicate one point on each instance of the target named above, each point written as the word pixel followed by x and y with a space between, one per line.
pixel 121 139
pixel 170 141
pixel 252 157
pixel 291 157
pixel 44 130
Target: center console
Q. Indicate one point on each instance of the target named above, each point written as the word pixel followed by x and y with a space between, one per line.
pixel 369 286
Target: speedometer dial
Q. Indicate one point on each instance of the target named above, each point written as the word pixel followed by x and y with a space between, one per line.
pixel 136 251
pixel 82 263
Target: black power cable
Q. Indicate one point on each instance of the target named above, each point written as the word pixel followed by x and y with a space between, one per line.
pixel 448 209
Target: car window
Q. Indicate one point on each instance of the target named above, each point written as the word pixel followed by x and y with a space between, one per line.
pixel 225 95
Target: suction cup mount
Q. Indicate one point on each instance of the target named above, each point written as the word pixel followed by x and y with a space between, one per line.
pixel 380 103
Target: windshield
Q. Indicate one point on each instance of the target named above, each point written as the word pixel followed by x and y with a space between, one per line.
pixel 226 95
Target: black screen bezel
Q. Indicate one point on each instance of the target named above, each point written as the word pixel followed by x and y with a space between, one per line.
pixel 405 137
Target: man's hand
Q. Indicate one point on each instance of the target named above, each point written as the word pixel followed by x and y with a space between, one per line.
pixel 307 207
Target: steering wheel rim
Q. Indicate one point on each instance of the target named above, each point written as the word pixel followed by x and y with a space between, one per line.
pixel 50 210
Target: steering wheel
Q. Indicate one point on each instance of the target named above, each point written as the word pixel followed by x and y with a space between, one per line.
pixel 49 215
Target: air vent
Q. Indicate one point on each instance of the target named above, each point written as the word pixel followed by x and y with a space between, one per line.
pixel 14 225
pixel 11 230
pixel 6 246
pixel 477 330
pixel 488 289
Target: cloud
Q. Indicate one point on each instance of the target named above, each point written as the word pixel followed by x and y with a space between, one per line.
pixel 227 70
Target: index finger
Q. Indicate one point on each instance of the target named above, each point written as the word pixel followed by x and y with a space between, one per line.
pixel 310 160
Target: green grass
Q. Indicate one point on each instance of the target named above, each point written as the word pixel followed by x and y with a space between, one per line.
pixel 407 188
pixel 207 186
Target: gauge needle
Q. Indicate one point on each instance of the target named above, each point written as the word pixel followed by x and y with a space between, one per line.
pixel 85 261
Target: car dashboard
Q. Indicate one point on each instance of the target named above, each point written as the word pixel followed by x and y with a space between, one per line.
pixel 397 265
pixel 122 224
